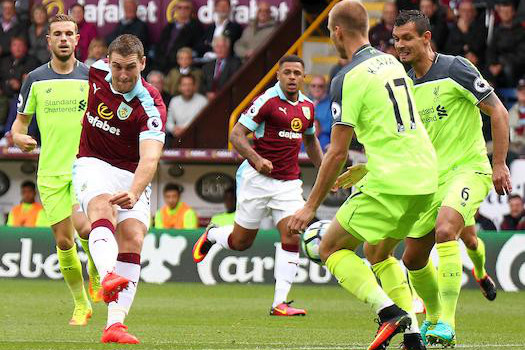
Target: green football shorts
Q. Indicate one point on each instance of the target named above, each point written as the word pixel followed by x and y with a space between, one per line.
pixel 462 192
pixel 57 196
pixel 372 217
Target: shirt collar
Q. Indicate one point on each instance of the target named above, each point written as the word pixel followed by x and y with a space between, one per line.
pixel 128 96
pixel 283 97
pixel 361 49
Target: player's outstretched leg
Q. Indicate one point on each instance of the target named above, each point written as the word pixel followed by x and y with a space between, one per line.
pixel 476 252
pixel 71 269
pixel 285 269
pixel 127 266
pixel 104 250
pixel 286 266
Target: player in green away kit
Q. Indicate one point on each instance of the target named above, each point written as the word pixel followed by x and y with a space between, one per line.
pixel 450 92
pixel 57 94
pixel 373 96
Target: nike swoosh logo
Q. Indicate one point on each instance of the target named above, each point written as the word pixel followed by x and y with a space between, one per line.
pixel 282 312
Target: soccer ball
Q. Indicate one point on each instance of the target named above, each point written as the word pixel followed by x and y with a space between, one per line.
pixel 311 239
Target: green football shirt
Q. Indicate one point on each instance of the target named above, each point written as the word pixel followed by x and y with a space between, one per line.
pixel 59 102
pixel 447 99
pixel 373 95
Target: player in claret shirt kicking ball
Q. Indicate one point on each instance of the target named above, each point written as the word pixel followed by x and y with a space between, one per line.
pixel 120 147
pixel 268 180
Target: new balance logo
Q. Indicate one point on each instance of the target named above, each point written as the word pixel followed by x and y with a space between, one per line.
pixel 283 109
pixel 95 88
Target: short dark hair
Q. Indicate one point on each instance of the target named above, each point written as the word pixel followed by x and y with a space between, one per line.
pixel 170 186
pixel 127 45
pixel 19 38
pixel 415 16
pixel 28 183
pixel 60 17
pixel 515 196
pixel 188 76
pixel 78 5
pixel 291 58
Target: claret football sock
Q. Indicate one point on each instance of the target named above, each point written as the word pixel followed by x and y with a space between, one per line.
pixel 128 266
pixel 103 246
pixel 286 266
pixel 220 235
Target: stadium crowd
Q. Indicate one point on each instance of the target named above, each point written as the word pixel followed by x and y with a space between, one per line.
pixel 191 62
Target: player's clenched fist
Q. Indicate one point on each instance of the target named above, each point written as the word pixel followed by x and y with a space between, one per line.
pixel 264 166
pixel 25 142
pixel 125 200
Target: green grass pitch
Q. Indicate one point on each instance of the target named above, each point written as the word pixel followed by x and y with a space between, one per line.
pixel 34 315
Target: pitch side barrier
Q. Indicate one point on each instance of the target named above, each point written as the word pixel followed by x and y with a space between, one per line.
pixel 166 257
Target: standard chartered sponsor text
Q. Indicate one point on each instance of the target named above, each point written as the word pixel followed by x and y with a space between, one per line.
pixel 61 106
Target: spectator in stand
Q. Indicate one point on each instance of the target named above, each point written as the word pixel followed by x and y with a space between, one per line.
pixel 97 50
pixel 335 69
pixel 87 31
pixel 37 34
pixel 230 203
pixel 221 26
pixel 217 72
pixel 483 223
pixel 29 213
pixel 175 214
pixel 438 22
pixel 156 78
pixel 14 67
pixel 467 37
pixel 256 33
pixel 11 27
pixel 131 24
pixel 323 111
pixel 517 121
pixel 404 5
pixel 184 66
pixel 381 34
pixel 184 31
pixel 185 107
pixel 516 215
pixel 506 51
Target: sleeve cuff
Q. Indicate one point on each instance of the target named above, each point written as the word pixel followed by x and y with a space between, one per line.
pixel 152 135
pixel 343 123
pixel 248 122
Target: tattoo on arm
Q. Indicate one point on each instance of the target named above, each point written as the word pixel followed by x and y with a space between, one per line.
pixel 489 103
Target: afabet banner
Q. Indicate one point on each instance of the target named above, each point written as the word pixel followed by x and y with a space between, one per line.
pixel 166 257
pixel 106 13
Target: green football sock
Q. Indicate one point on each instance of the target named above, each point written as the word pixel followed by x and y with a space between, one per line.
pixel 357 278
pixel 478 258
pixel 395 285
pixel 92 269
pixel 425 283
pixel 449 279
pixel 72 271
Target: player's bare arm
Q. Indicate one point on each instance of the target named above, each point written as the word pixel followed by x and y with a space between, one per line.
pixel 19 130
pixel 242 146
pixel 313 149
pixel 333 161
pixel 499 122
pixel 150 153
